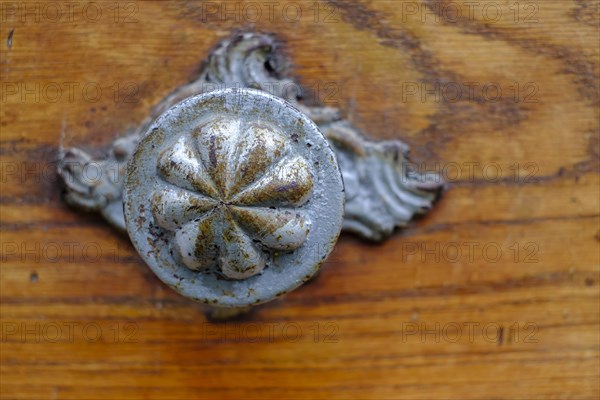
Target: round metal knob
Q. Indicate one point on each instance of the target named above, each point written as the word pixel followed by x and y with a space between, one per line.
pixel 233 197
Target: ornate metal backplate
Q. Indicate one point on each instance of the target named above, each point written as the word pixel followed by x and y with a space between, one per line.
pixel 382 193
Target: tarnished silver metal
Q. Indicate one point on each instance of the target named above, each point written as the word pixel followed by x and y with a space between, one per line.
pixel 382 193
pixel 234 197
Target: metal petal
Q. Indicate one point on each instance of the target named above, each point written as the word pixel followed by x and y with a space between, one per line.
pixel 276 229
pixel 259 147
pixel 289 183
pixel 180 166
pixel 217 144
pixel 195 242
pixel 239 256
pixel 172 207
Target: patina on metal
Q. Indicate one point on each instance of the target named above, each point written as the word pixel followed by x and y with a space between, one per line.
pixel 382 192
pixel 234 197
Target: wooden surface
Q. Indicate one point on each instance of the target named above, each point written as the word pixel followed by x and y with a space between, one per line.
pixel 83 318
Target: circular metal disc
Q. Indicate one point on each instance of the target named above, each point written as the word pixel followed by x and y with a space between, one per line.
pixel 233 198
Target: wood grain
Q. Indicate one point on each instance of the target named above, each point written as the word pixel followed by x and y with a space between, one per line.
pixel 495 294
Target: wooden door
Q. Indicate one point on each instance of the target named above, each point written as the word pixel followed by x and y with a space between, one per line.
pixel 494 294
